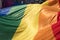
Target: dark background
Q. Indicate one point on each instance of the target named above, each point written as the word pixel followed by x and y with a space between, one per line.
pixel 8 3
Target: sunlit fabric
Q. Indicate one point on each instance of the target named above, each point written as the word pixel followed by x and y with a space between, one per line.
pixel 31 22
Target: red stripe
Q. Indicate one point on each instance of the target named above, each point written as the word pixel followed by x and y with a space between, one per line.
pixel 59 3
pixel 56 28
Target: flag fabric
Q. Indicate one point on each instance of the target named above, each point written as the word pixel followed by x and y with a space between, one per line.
pixel 30 22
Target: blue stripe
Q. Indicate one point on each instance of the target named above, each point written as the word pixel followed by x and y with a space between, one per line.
pixel 4 11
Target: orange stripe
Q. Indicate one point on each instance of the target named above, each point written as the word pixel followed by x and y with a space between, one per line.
pixel 47 17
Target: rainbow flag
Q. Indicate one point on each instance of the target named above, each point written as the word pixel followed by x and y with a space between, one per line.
pixel 30 22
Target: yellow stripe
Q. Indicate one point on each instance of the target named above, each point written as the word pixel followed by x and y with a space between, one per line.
pixel 28 27
pixel 29 24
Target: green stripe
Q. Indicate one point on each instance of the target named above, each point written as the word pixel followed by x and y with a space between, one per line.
pixel 10 22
